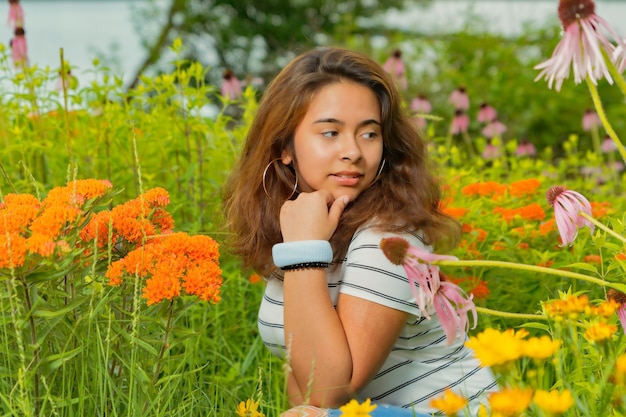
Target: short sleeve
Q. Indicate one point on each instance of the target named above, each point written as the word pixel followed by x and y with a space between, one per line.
pixel 371 276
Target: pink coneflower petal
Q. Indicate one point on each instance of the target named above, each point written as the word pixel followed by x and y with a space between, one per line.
pixel 494 129
pixel 608 145
pixel 394 65
pixel 431 292
pixel 491 151
pixel 591 120
pixel 581 48
pixel 231 87
pixel 486 113
pixel 619 56
pixel 460 123
pixel 421 104
pixel 459 99
pixel 525 148
pixel 567 206
pixel 452 306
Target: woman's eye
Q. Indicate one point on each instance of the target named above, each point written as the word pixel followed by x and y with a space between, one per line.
pixel 329 134
pixel 370 135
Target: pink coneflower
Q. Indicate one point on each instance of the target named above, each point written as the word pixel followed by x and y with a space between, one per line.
pixel 231 87
pixel 591 120
pixel 16 14
pixel 486 113
pixel 19 49
pixel 608 145
pixel 567 206
pixel 459 99
pixel 395 67
pixel 494 128
pixel 460 123
pixel 581 47
pixel 448 300
pixel 420 104
pixel 525 148
pixel 491 151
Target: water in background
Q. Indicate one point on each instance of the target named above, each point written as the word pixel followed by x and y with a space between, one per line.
pixel 89 28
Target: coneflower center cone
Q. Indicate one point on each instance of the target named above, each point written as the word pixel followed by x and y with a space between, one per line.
pixel 572 10
pixel 553 193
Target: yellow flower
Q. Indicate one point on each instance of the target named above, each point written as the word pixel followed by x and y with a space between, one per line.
pixel 554 402
pixel 354 409
pixel 600 332
pixel 540 347
pixel 450 403
pixel 568 308
pixel 511 401
pixel 605 309
pixel 495 348
pixel 249 408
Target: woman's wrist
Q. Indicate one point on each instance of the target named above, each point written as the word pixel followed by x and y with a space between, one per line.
pixel 302 254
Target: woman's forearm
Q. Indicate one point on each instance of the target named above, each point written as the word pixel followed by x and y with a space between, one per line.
pixel 318 351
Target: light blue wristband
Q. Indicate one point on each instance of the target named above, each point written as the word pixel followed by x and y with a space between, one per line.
pixel 302 251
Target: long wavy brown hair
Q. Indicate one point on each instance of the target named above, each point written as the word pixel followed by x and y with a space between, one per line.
pixel 405 198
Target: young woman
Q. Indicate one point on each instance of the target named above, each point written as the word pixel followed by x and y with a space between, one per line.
pixel 330 166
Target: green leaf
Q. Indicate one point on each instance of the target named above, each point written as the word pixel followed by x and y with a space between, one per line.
pixel 584 266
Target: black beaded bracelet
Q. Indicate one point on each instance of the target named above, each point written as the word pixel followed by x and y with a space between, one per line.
pixel 305 265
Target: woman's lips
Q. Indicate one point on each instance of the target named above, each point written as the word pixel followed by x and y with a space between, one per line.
pixel 347 179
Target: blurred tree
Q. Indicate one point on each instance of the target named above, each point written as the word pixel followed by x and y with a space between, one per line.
pixel 252 36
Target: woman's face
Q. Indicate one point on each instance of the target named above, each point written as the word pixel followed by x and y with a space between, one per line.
pixel 338 144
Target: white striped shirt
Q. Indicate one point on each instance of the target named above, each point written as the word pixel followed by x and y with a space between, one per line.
pixel 421 364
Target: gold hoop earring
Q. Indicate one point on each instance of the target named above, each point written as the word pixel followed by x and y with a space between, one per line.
pixel 295 186
pixel 380 171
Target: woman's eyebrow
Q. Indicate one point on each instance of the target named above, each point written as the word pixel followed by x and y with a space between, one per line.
pixel 337 121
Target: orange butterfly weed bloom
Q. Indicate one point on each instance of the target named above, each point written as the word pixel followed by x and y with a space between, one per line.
pixel 547 227
pixel 172 263
pixel 524 188
pixel 455 212
pixel 593 259
pixel 482 189
pixel 30 226
pixel 601 209
pixel 134 220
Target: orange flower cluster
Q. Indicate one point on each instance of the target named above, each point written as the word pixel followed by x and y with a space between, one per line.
pixel 474 285
pixel 172 263
pixel 601 209
pixel 455 212
pixel 524 188
pixel 518 189
pixel 30 226
pixel 530 212
pixel 479 234
pixel 133 221
pixel 487 188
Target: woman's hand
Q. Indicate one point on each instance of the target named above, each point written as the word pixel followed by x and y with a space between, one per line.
pixel 311 216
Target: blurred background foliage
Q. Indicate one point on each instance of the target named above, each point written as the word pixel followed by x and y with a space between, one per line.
pixel 256 39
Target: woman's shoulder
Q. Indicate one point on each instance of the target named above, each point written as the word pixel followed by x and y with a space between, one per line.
pixel 372 233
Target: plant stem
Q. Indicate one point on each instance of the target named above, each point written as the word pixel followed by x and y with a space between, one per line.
pixel 534 268
pixel 33 341
pixel 602 115
pixel 603 227
pixel 164 347
pixel 510 315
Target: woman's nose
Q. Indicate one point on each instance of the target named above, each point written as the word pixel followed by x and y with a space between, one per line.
pixel 350 149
